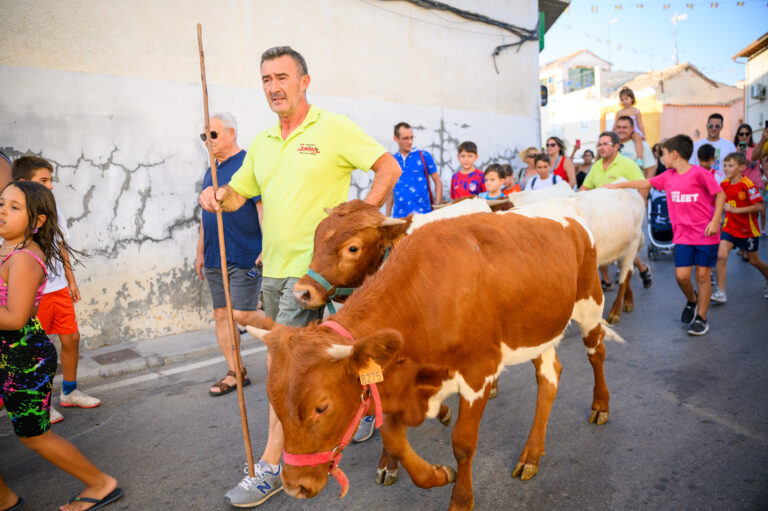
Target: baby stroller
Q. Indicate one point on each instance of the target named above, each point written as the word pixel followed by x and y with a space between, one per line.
pixel 659 225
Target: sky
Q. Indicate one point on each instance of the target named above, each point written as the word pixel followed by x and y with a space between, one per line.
pixel 642 35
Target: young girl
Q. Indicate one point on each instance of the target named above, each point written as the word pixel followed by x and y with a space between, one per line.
pixel 627 99
pixel 28 224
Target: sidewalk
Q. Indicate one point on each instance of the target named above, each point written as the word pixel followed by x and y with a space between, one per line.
pixel 136 356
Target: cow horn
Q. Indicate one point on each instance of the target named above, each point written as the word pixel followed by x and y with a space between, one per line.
pixel 327 211
pixel 391 221
pixel 258 333
pixel 441 205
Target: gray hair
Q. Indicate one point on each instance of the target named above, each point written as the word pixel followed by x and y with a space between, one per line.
pixel 280 51
pixel 227 119
pixel 615 140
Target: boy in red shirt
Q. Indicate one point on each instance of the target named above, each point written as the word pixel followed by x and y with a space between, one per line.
pixel 468 180
pixel 740 230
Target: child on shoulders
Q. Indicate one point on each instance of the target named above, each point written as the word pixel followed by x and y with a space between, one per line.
pixel 468 180
pixel 542 179
pixel 494 181
pixel 740 230
pixel 695 203
pixel 627 99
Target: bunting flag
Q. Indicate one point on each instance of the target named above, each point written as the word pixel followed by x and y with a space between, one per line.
pixel 666 7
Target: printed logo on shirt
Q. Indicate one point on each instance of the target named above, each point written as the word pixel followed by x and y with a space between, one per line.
pixel 472 187
pixel 684 197
pixel 308 149
pixel 754 193
pixel 742 195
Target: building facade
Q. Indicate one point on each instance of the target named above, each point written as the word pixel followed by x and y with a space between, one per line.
pixel 110 93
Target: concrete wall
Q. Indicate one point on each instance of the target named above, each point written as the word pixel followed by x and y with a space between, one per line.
pixel 757 109
pixel 109 92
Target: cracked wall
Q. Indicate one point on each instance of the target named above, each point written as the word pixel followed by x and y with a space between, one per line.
pixel 128 167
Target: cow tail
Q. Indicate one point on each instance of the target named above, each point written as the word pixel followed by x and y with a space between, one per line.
pixel 610 333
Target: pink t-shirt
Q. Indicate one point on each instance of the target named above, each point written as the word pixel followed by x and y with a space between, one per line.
pixel 691 203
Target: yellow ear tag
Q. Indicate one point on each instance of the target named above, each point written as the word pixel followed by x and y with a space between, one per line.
pixel 370 373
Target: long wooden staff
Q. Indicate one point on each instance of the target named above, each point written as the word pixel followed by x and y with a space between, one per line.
pixel 234 343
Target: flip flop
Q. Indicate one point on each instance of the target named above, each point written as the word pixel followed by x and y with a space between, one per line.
pixel 16 507
pixel 98 504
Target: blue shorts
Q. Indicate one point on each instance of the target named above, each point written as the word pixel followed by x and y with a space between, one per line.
pixel 695 255
pixel 745 244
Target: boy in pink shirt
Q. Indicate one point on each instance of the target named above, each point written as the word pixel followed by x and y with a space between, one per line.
pixel 695 202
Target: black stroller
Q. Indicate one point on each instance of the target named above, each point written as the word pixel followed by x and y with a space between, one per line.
pixel 659 225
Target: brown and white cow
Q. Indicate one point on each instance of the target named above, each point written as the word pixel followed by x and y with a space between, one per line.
pixel 404 318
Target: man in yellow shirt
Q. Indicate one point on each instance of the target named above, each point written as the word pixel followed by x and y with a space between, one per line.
pixel 610 167
pixel 299 167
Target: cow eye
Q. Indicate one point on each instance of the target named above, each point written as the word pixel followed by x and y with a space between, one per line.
pixel 353 249
pixel 321 409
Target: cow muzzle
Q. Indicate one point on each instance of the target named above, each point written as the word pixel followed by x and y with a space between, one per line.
pixel 304 482
pixel 309 294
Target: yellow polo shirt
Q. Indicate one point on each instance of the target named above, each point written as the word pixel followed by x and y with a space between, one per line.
pixel 621 166
pixel 297 178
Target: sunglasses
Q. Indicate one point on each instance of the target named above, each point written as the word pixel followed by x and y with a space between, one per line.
pixel 714 126
pixel 744 133
pixel 551 144
pixel 214 136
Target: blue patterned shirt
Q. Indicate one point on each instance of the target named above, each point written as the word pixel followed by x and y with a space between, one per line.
pixel 411 190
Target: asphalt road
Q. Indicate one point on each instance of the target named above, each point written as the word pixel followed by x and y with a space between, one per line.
pixel 688 427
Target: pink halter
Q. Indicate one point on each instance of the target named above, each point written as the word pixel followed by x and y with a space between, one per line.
pixel 334 455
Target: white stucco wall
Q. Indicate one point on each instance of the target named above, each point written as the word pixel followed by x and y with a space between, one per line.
pixel 110 93
pixel 757 109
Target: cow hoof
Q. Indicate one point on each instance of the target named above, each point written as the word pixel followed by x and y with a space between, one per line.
pixel 449 472
pixel 525 472
pixel 612 320
pixel 597 417
pixel 629 307
pixel 390 478
pixel 386 477
pixel 446 418
pixel 494 392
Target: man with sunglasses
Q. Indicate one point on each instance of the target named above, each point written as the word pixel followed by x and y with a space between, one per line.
pixel 722 146
pixel 242 239
pixel 299 166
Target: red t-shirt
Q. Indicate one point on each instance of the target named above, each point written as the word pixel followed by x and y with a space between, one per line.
pixel 467 185
pixel 743 193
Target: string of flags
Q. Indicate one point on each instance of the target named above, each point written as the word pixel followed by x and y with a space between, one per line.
pixel 666 6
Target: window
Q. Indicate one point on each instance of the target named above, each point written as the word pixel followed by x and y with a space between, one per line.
pixel 580 78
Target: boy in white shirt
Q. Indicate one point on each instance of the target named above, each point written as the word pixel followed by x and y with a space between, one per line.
pixel 543 179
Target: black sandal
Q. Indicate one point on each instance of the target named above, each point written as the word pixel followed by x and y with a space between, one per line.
pixel 225 388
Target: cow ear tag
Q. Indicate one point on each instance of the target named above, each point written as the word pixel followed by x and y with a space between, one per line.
pixel 370 373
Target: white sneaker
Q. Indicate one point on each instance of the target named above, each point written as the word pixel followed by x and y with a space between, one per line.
pixel 719 296
pixel 56 416
pixel 79 399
